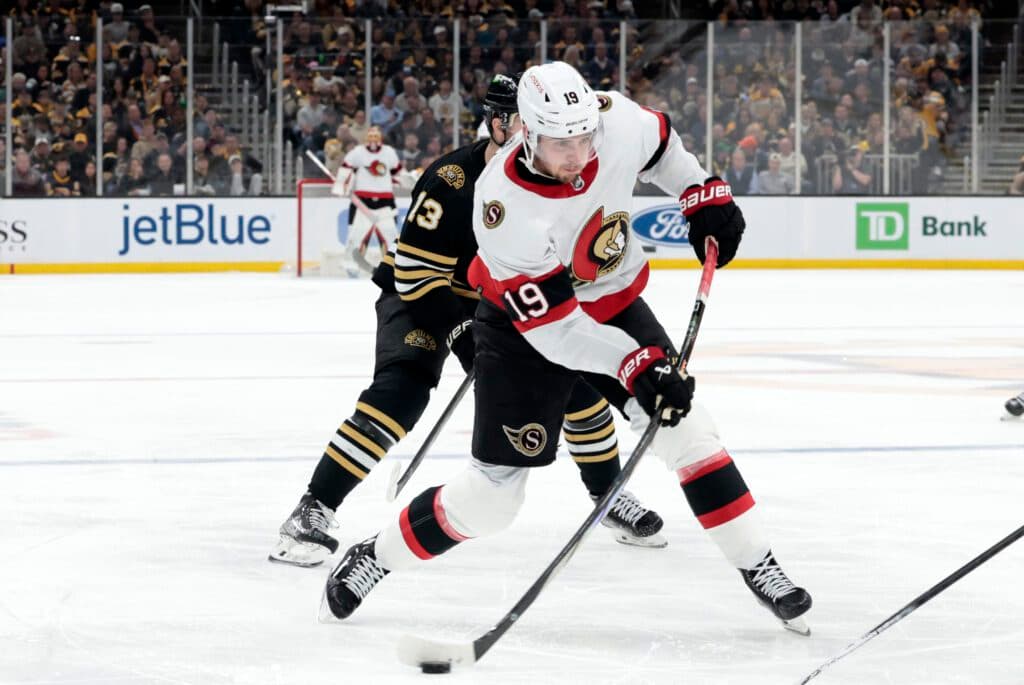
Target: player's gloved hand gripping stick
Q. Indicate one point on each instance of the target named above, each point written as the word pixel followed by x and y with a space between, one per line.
pixel 434 656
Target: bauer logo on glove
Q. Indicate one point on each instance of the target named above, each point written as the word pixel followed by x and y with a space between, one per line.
pixel 711 212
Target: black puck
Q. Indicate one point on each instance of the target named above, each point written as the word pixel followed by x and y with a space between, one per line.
pixel 436 667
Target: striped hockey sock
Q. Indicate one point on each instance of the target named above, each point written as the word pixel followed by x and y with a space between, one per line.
pixel 725 508
pixel 590 437
pixel 356 447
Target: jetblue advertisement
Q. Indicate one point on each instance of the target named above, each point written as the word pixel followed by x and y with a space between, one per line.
pixel 265 234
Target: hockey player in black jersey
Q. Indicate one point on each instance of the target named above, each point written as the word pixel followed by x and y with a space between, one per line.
pixel 424 311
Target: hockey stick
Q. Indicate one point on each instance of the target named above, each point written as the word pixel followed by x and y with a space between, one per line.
pixel 921 600
pixel 418 651
pixel 360 254
pixel 395 484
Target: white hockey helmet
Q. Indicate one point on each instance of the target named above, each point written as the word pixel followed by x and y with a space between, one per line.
pixel 555 101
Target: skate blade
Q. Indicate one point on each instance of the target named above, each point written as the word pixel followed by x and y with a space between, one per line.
pixel 656 541
pixel 295 553
pixel 294 562
pixel 798 626
pixel 324 614
pixel 1010 417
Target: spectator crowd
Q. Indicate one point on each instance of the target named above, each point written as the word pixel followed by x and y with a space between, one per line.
pixel 329 99
pixel 143 144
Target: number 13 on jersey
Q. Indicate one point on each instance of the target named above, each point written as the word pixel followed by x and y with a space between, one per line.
pixel 432 211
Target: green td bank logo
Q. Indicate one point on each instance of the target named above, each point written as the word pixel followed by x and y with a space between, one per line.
pixel 886 226
pixel 883 226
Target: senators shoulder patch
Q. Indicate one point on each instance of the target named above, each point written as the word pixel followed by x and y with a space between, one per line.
pixel 420 338
pixel 494 214
pixel 453 175
pixel 604 103
pixel 528 440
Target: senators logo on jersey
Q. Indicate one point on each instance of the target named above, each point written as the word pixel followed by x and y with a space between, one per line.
pixel 377 168
pixel 600 246
pixel 494 214
pixel 528 440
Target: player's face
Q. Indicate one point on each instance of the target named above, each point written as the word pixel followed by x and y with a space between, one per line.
pixel 373 138
pixel 564 158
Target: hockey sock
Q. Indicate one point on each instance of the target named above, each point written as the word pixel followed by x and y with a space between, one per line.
pixel 356 447
pixel 725 508
pixel 422 532
pixel 590 435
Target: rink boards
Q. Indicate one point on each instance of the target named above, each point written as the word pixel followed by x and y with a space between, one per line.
pixel 261 234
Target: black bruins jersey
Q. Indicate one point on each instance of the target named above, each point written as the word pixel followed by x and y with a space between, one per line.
pixel 428 265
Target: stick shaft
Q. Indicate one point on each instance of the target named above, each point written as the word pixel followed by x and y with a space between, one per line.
pixel 434 432
pixel 919 601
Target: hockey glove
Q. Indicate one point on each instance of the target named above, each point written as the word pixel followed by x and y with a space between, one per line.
pixel 460 342
pixel 648 376
pixel 710 211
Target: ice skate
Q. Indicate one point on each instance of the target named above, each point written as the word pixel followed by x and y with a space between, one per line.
pixel 356 574
pixel 1014 408
pixel 778 594
pixel 632 523
pixel 304 539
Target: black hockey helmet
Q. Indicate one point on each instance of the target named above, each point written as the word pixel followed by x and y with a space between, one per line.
pixel 500 102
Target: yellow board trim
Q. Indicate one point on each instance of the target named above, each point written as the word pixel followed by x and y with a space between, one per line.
pixel 997 264
pixel 588 412
pixel 586 437
pixel 593 459
pixel 138 267
pixel 383 418
pixel 351 433
pixel 426 254
pixel 674 263
pixel 344 463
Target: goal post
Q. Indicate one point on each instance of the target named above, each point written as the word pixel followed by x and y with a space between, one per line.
pixel 314 223
pixel 322 227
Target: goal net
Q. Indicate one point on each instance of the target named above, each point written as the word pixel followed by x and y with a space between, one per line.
pixel 322 230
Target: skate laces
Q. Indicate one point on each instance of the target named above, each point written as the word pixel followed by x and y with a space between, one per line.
pixel 628 508
pixel 364 574
pixel 320 517
pixel 769 578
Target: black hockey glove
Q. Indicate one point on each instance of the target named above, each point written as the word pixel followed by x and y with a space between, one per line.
pixel 648 376
pixel 710 211
pixel 460 342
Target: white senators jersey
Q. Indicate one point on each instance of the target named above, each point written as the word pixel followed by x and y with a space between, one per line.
pixel 373 171
pixel 560 258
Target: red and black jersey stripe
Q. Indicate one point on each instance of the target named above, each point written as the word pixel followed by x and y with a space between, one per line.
pixel 664 129
pixel 530 301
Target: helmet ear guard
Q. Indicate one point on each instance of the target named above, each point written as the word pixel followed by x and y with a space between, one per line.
pixel 500 102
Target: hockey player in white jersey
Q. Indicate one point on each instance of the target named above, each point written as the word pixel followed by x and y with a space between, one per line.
pixel 561 280
pixel 368 176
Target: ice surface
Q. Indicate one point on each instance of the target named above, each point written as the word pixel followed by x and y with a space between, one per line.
pixel 156 430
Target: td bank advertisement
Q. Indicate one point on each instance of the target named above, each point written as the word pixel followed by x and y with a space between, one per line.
pixel 261 234
pixel 847 232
